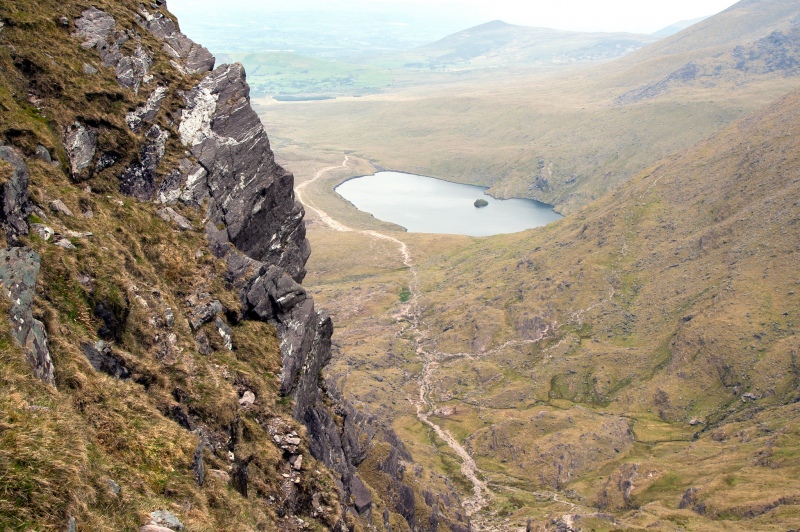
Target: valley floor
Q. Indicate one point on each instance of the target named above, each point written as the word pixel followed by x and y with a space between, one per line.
pixel 489 407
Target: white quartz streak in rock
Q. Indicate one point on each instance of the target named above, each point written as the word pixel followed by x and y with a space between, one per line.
pixel 196 120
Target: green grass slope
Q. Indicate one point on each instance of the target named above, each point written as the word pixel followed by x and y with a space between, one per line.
pixel 670 354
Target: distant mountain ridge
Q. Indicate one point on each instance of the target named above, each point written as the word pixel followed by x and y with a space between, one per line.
pixel 500 43
pixel 672 29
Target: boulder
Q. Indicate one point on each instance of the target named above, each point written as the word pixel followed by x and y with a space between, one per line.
pixel 165 518
pixel 225 333
pixel 362 498
pixel 103 359
pixel 81 145
pixel 14 196
pixel 198 466
pixel 19 270
pixel 181 222
pixel 59 207
pixel 204 313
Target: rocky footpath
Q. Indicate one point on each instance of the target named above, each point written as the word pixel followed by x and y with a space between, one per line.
pixel 193 142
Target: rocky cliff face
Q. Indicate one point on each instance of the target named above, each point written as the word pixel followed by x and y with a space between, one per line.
pixel 160 125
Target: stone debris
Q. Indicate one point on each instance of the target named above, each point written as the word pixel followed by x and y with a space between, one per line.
pixel 204 313
pixel 225 332
pixel 44 231
pixel 44 154
pixel 247 399
pixel 59 207
pixel 170 215
pixel 103 359
pixel 89 70
pixel 169 318
pixel 65 243
pixel 165 518
pixel 113 487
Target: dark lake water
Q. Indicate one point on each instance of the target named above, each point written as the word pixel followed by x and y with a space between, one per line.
pixel 428 205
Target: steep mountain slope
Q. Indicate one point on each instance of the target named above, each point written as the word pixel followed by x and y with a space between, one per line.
pixel 160 363
pixel 498 43
pixel 669 308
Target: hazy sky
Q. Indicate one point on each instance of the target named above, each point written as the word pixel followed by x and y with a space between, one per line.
pixel 640 16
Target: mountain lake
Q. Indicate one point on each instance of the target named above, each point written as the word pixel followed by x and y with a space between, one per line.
pixel 429 205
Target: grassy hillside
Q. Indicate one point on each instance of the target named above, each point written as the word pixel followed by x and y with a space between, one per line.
pixel 564 138
pixel 637 359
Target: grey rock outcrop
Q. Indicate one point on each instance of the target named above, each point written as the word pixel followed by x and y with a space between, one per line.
pixel 180 221
pixel 139 179
pixel 81 145
pixel 14 195
pixel 99 30
pixel 255 224
pixel 147 112
pixel 189 56
pixel 103 359
pixel 250 193
pixel 19 270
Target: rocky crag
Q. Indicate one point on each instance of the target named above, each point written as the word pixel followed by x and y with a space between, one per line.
pixel 152 264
